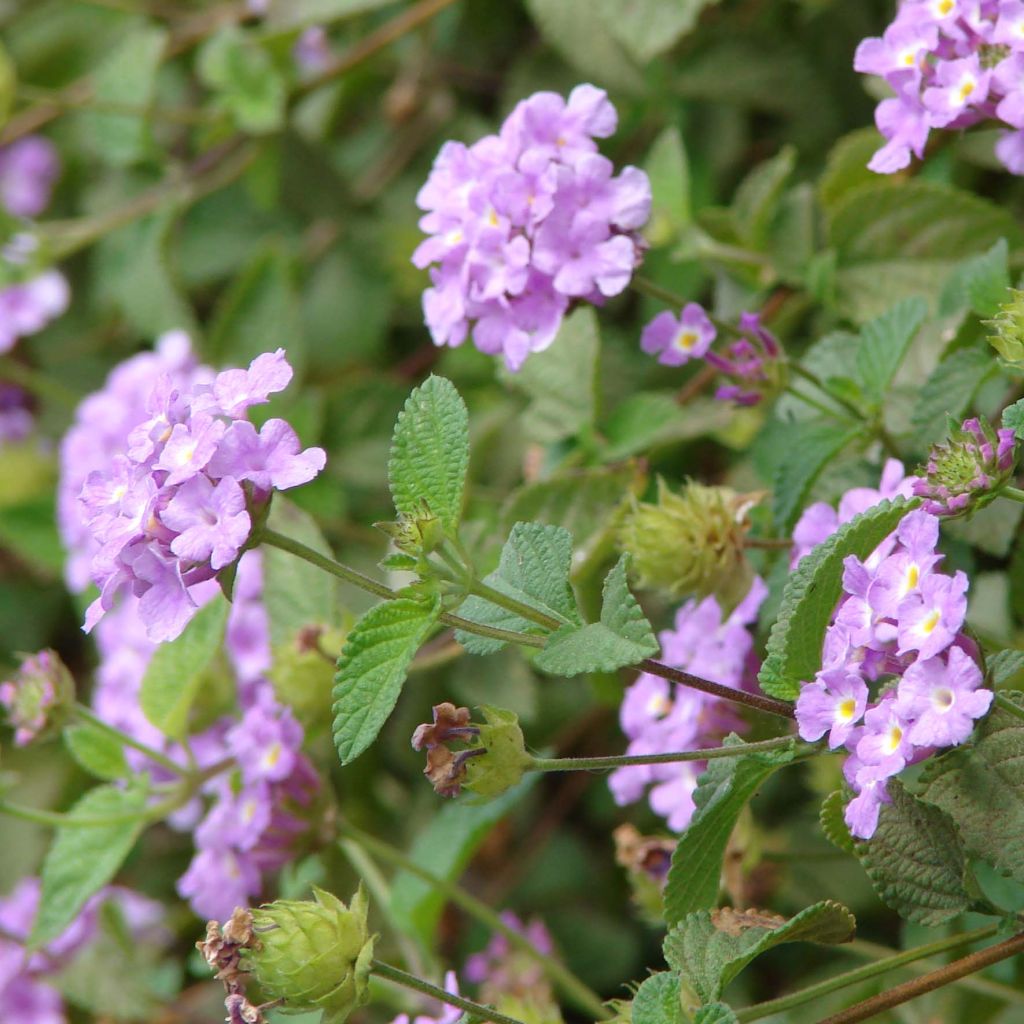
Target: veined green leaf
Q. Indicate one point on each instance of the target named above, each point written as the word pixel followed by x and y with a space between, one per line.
pixel 657 1000
pixel 949 390
pixel 884 343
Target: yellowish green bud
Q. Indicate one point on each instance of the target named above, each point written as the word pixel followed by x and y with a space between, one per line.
pixel 506 758
pixel 1007 328
pixel 415 534
pixel 302 674
pixel 691 543
pixel 314 954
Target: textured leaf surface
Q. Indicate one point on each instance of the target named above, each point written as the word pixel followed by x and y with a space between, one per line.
pixel 979 283
pixel 1004 665
pixel 715 1013
pixel 83 860
pixel 981 787
pixel 949 389
pixel 175 672
pixel 622 637
pixel 794 647
pixel 430 453
pixel 723 790
pixel 833 824
pixel 657 1000
pixel 372 669
pixel 534 569
pixel 709 948
pixel 884 343
pixel 915 860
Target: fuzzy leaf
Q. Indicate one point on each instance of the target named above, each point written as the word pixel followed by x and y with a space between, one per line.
pixel 723 790
pixel 97 751
pixel 430 453
pixel 622 637
pixel 883 344
pixel 981 787
pixel 534 569
pixel 175 672
pixel 949 390
pixel 84 859
pixel 915 860
pixel 372 669
pixel 1013 418
pixel 793 653
pixel 657 1000
pixel 1003 666
pixel 709 948
pixel 979 283
pixel 715 1013
pixel 833 824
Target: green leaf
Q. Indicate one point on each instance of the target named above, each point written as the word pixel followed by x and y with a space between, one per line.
pixel 669 173
pixel 29 530
pixel 295 593
pixel 647 28
pixel 127 77
pixel 833 822
pixel 258 312
pixel 722 792
pixel 372 669
pixel 97 751
pixel 981 787
pixel 561 381
pixel 534 569
pixel 82 860
pixel 1003 666
pixel 8 85
pixel 444 848
pixel 709 948
pixel 883 344
pixel 758 196
pixel 648 419
pixel 847 167
pixel 243 77
pixel 811 446
pixel 949 390
pixel 980 283
pixel 622 637
pixel 793 654
pixel 1013 418
pixel 657 1000
pixel 992 529
pixel 915 860
pixel 430 453
pixel 176 670
pixel 303 13
pixel 715 1013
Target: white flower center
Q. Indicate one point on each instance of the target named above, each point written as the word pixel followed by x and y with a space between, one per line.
pixel 942 698
pixel 845 711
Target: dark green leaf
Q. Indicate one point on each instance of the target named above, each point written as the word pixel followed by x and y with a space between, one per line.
pixel 647 28
pixel 883 344
pixel 949 390
pixel 669 172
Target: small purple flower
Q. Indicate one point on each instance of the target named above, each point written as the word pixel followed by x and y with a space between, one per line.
pixel 28 307
pixel 676 341
pixel 885 740
pixel 218 880
pixel 929 620
pixel 312 51
pixel 833 703
pixel 210 521
pixel 266 742
pixel 28 170
pixel 869 782
pixel 270 459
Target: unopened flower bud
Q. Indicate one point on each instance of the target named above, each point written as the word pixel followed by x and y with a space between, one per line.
pixel 690 543
pixel 1007 336
pixel 314 954
pixel 966 472
pixel 302 672
pixel 36 697
pixel 416 534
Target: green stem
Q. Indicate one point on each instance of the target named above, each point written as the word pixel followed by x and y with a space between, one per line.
pixel 1013 493
pixel 87 715
pixel 1007 705
pixel 859 974
pixel 574 764
pixel 55 819
pixel 559 974
pixel 398 977
pixel 510 604
pixel 36 383
pixel 709 247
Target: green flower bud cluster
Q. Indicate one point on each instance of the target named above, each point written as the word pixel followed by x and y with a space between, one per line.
pixel 314 954
pixel 1007 336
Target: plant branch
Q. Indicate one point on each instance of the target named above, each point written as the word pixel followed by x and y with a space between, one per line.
pixel 1007 705
pixel 510 604
pixel 751 700
pixel 1013 493
pixel 813 378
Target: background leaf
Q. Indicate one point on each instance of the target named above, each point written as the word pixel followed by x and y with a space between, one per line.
pixel 883 344
pixel 97 751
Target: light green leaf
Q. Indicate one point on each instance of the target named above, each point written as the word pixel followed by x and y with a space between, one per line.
pixel 810 446
pixel 669 172
pixel 883 344
pixel 243 77
pixel 534 569
pixel 915 860
pixel 793 653
pixel 980 283
pixel 657 1000
pixel 430 453
pixel 622 637
pixel 303 13
pixel 372 669
pixel 259 312
pixel 949 390
pixel 833 823
pixel 127 77
pixel 758 196
pixel 1003 666
pixel 709 948
pixel 561 381
pixel 648 419
pixel 84 859
pixel 647 28
pixel 715 1013
pixel 295 593
pixel 444 848
pixel 723 790
pixel 981 787
pixel 97 751
pixel 176 670
pixel 8 85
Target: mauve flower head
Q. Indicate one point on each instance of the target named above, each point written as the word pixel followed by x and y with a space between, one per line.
pixel 522 223
pixel 967 471
pixel 28 170
pixel 33 698
pixel 176 507
pixel 833 703
pixel 677 340
pixel 502 969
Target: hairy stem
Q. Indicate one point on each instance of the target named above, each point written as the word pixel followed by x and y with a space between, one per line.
pixel 751 700
pixel 567 982
pixel 510 604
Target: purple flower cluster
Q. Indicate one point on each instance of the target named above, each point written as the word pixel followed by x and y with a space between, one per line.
pixel 527 221
pixel 16 420
pixel 750 363
pixel 950 64
pixel 660 717
pixel 899 625
pixel 174 509
pixel 40 685
pixel 26 995
pixel 502 969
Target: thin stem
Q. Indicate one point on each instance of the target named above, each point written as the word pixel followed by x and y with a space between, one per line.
pixel 859 974
pixel 55 819
pixel 1013 493
pixel 1005 704
pixel 510 604
pixel 36 383
pixel 87 715
pixel 751 700
pixel 560 975
pixel 398 977
pixel 574 764
pixel 928 982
